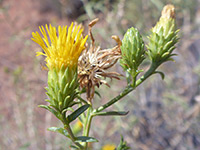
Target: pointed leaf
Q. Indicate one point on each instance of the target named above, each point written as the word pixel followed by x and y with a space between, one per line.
pixel 77 112
pixel 161 74
pixel 73 103
pixel 57 114
pixel 97 93
pixel 112 113
pixel 68 109
pixel 85 139
pixel 59 130
pixel 82 100
pixel 74 147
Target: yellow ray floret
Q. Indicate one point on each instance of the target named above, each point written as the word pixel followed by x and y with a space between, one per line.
pixel 63 47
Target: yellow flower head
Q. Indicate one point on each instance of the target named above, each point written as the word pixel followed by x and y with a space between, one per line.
pixel 108 147
pixel 62 48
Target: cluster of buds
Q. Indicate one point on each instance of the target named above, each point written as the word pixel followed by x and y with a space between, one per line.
pixel 160 47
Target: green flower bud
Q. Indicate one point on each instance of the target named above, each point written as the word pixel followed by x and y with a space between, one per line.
pixel 132 50
pixel 62 85
pixel 163 37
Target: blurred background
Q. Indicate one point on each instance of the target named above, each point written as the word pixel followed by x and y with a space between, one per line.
pixel 163 114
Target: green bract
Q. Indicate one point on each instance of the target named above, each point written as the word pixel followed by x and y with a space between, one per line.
pixel 132 50
pixel 61 90
pixel 162 41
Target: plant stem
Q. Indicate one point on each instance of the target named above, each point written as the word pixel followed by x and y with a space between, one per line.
pixel 86 121
pixel 88 128
pixel 151 71
pixel 73 138
pixel 69 130
pixel 87 125
pixel 129 88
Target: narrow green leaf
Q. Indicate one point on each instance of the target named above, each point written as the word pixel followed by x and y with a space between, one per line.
pixel 74 147
pixel 63 82
pixel 68 109
pixel 60 98
pixel 73 103
pixel 66 88
pixel 97 93
pixel 77 112
pixel 85 139
pixel 55 107
pixel 161 74
pixel 112 113
pixel 59 130
pixel 66 100
pixel 82 100
pixel 57 114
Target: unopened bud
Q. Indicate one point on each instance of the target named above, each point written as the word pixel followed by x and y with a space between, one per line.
pixel 163 37
pixel 132 50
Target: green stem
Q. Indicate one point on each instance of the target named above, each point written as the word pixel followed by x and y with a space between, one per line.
pixel 87 125
pixel 129 88
pixel 73 138
pixel 69 130
pixel 88 128
pixel 151 71
pixel 134 76
pixel 86 121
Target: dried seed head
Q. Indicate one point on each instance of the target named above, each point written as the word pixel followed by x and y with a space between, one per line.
pixel 94 63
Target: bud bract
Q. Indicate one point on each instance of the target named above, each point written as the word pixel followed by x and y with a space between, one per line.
pixel 163 37
pixel 61 88
pixel 132 50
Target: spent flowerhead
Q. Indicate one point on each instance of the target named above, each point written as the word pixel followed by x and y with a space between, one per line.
pixel 94 63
